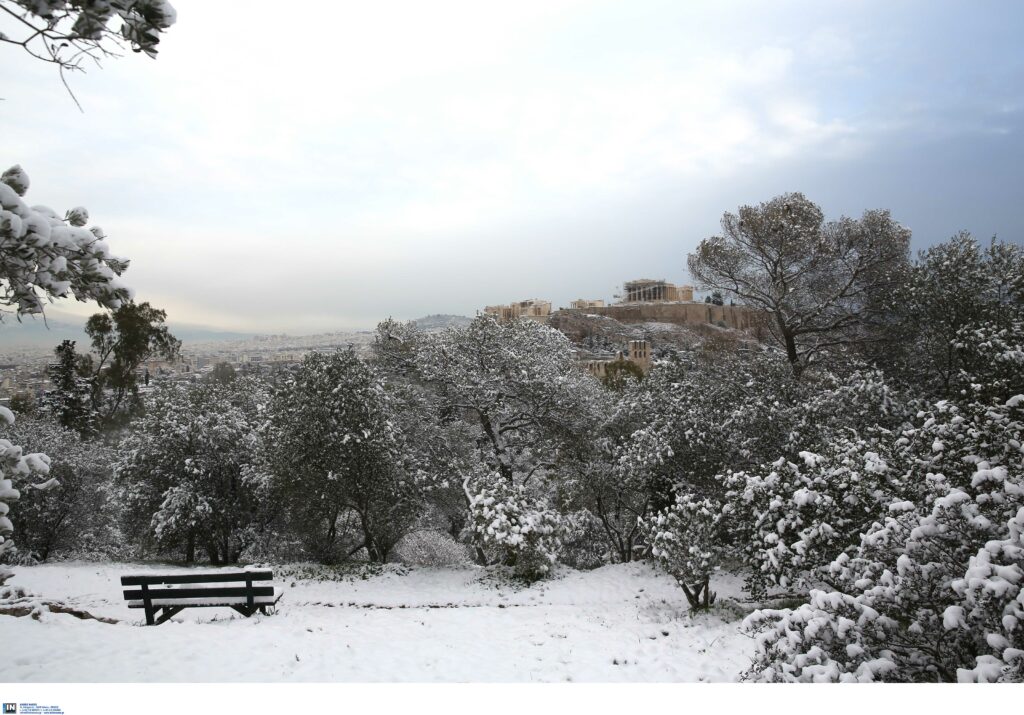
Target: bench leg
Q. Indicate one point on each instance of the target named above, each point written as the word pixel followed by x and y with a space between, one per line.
pixel 149 617
pixel 169 611
pixel 244 610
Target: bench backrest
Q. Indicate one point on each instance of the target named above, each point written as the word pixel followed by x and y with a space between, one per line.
pixel 237 584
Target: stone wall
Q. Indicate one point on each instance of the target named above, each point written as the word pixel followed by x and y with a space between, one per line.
pixel 732 316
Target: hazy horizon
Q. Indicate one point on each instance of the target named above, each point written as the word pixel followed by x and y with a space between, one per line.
pixel 435 159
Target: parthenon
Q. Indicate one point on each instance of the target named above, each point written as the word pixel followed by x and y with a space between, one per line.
pixel 647 290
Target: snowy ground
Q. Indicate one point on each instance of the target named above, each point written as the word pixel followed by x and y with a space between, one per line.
pixel 619 623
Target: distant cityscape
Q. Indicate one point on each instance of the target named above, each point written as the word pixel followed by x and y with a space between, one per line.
pixel 23 370
pixel 647 312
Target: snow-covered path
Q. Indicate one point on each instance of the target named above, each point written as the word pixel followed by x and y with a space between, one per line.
pixel 618 623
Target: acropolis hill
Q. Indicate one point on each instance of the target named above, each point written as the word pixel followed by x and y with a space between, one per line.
pixel 642 301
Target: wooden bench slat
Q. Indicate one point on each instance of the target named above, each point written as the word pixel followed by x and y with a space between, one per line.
pixel 228 603
pixel 164 594
pixel 241 576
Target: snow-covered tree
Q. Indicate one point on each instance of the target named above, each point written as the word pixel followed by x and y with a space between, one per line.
pixel 684 539
pixel 434 450
pixel 956 322
pixel 46 256
pixel 819 283
pixel 16 464
pixel 605 493
pixel 932 592
pixel 333 450
pixel 70 400
pixel 187 477
pixel 518 382
pixel 66 33
pixel 530 407
pixel 991 358
pixel 697 415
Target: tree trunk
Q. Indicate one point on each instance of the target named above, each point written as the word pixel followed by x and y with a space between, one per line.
pixel 791 352
pixel 700 598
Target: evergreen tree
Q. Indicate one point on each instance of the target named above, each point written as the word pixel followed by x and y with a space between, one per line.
pixel 70 399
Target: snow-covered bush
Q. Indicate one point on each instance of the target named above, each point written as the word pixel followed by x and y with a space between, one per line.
pixel 991 357
pixel 584 541
pixel 993 603
pixel 858 406
pixel 71 519
pixel 521 532
pixel 431 548
pixel 684 539
pixel 187 477
pixel 15 464
pixel 793 519
pixel 44 255
pixel 698 415
pixel 932 593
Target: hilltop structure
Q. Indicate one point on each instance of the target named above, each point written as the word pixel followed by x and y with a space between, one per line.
pixel 644 300
pixel 584 304
pixel 647 300
pixel 647 290
pixel 533 308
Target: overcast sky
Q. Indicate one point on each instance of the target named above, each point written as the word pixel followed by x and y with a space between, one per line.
pixel 286 172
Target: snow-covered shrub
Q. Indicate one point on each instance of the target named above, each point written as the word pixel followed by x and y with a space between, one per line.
pixel 991 357
pixel 71 518
pixel 584 541
pixel 699 415
pixel 15 464
pixel 860 406
pixel 932 592
pixel 521 532
pixel 993 603
pixel 43 255
pixel 187 477
pixel 793 519
pixel 431 548
pixel 684 539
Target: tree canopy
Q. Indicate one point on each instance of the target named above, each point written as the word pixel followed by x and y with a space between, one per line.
pixel 820 283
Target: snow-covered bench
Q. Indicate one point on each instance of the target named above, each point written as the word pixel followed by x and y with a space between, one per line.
pixel 171 593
